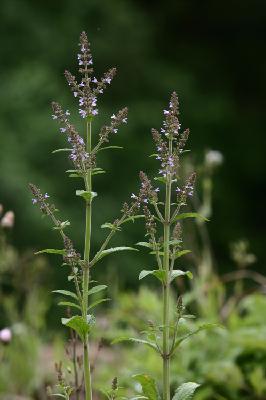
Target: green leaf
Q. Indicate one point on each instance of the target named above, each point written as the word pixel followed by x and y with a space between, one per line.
pixel 200 328
pixel 96 171
pixel 135 340
pixel 132 218
pixel 52 251
pixel 177 272
pixel 185 391
pixel 78 324
pixel 180 253
pixel 190 215
pixel 62 225
pixel 110 147
pixel 149 387
pixel 88 196
pixel 66 293
pixel 59 150
pixel 110 226
pixel 160 179
pixel 68 304
pixel 96 289
pixel 113 250
pixel 95 303
pixel 145 244
pixel 158 273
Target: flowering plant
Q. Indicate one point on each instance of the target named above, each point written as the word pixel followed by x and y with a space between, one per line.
pixel 83 151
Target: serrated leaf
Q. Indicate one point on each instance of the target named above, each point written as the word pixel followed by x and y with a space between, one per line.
pixel 178 272
pixel 78 324
pixel 185 391
pixel 135 340
pixel 59 150
pixel 96 289
pixel 113 250
pixel 69 304
pixel 66 293
pixel 149 387
pixel 158 273
pixel 110 147
pixel 180 253
pixel 52 251
pixel 95 303
pixel 88 196
pixel 190 215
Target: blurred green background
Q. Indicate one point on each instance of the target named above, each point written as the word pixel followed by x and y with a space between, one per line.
pixel 211 53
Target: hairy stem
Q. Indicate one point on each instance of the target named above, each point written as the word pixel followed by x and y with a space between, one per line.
pixel 166 288
pixel 86 273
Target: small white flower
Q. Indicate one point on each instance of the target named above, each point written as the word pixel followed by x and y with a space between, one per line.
pixel 8 219
pixel 213 158
pixel 5 335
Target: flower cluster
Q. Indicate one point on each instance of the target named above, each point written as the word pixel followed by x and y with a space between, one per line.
pixel 79 156
pixel 150 223
pixel 116 121
pixel 71 256
pixel 41 200
pixel 169 160
pixel 171 124
pixel 147 192
pixel 89 87
pixel 187 190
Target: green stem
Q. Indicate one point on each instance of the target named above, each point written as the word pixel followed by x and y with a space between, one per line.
pixel 166 288
pixel 86 274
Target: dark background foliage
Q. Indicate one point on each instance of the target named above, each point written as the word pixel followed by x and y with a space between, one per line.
pixel 211 53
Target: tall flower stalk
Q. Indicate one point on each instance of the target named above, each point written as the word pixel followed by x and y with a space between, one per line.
pixel 83 151
pixel 164 240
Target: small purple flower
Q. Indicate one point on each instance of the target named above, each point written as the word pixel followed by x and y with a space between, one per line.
pixel 34 201
pixel 145 201
pixel 94 80
pixel 83 113
pixel 157 190
pixel 178 190
pixel 94 112
pixel 54 116
pixel 166 112
pixel 115 130
pixel 46 196
pixel 63 130
pixel 75 94
pixel 124 120
pixel 67 112
pixel 133 196
pixel 113 116
pixel 108 80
